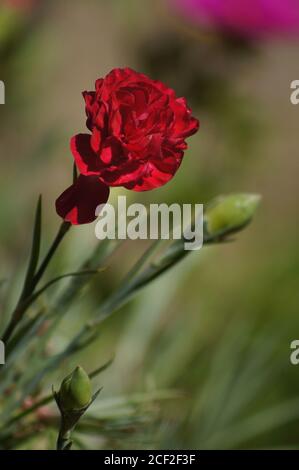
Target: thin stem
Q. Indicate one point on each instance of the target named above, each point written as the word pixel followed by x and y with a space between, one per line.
pixel 22 305
pixel 39 292
pixel 64 439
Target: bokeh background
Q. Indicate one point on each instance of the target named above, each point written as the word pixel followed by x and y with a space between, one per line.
pixel 202 355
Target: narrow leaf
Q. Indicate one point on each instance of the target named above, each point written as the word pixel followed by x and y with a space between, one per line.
pixel 35 250
pixel 38 293
pixel 101 369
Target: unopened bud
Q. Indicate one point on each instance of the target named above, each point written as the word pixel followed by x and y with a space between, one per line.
pixel 230 213
pixel 75 392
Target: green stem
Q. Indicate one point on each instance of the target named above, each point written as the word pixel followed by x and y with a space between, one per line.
pixel 64 439
pixel 122 295
pixel 22 305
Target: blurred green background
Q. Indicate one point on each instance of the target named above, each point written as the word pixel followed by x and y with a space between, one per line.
pixel 202 355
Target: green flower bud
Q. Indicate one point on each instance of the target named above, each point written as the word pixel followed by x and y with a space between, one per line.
pixel 230 213
pixel 75 392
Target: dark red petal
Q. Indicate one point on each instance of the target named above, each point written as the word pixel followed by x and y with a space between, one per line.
pixel 184 124
pixel 96 140
pixel 86 159
pixel 90 104
pixel 157 174
pixel 146 176
pixel 111 154
pixel 78 203
pixel 99 84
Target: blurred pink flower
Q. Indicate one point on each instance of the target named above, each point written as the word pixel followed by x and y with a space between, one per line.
pixel 247 18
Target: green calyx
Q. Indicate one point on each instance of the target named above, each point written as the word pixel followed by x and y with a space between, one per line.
pixel 230 213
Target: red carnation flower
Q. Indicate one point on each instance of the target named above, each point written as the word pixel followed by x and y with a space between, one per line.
pixel 137 138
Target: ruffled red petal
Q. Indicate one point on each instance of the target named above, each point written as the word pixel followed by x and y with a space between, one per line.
pixel 78 203
pixel 86 159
